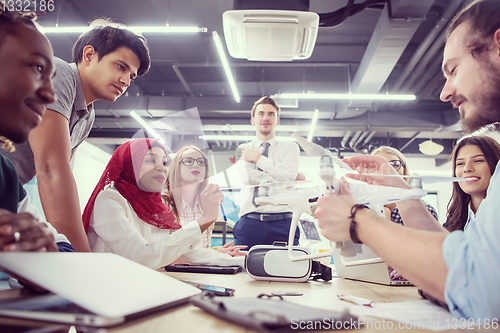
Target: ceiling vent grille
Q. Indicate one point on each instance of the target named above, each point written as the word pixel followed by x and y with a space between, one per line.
pixel 270 35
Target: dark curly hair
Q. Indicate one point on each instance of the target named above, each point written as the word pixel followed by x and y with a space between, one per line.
pixel 9 19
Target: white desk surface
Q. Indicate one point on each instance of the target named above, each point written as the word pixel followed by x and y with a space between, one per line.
pixel 189 318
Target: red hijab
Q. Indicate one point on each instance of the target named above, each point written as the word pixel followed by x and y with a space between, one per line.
pixel 123 171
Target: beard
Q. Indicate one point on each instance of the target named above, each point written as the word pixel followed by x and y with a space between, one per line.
pixel 265 131
pixel 487 110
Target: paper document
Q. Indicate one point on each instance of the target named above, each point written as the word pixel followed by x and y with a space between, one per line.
pixel 420 314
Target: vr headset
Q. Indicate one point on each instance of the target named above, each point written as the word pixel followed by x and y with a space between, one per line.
pixel 272 263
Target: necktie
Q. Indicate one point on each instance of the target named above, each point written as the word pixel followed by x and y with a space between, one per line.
pixel 265 153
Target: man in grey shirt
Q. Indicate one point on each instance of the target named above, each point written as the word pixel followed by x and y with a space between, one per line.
pixel 105 61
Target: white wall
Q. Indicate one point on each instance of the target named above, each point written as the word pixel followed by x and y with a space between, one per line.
pixel 88 164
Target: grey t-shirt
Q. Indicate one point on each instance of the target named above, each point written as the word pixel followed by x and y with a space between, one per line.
pixel 71 104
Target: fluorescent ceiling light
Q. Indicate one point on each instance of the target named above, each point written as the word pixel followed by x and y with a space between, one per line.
pixel 374 97
pixel 147 127
pixel 239 138
pixel 225 64
pixel 53 30
pixel 313 125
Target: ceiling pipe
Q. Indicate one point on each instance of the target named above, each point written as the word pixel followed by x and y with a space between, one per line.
pixel 424 46
pixel 368 135
pixel 395 29
pixel 343 143
pixel 177 68
pixel 354 139
pixel 434 67
pixel 409 141
pixel 182 79
pixel 253 65
pixel 358 141
pixel 435 84
pixel 432 53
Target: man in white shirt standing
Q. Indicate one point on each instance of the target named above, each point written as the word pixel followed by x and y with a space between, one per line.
pixel 266 159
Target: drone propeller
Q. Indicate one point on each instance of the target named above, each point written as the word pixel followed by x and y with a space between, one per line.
pixel 425 179
pixel 310 148
pixel 437 179
pixel 302 182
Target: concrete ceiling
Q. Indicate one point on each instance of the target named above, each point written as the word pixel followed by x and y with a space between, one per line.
pixel 394 48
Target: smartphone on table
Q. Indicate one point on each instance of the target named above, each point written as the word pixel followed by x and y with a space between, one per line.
pixel 207 269
pixel 217 291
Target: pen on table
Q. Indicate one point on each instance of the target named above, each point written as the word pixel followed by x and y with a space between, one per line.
pixel 223 212
pixel 356 300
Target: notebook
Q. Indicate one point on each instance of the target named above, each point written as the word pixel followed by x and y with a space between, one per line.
pixel 93 289
pixel 359 262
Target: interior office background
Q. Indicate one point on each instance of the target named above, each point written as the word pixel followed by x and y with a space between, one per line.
pixel 187 72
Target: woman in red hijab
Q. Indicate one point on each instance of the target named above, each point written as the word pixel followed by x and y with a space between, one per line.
pixel 125 213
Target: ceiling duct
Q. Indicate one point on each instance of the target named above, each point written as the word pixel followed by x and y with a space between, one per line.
pixel 270 30
pixel 300 5
pixel 270 35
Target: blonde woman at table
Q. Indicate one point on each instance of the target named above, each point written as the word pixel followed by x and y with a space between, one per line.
pixel 187 178
pixel 398 161
pixel 125 213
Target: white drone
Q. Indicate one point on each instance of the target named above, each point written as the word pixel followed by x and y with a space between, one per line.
pixel 374 196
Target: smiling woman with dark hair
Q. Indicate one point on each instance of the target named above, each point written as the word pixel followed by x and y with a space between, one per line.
pixel 474 158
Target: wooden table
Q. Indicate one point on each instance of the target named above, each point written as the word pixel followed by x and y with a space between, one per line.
pixel 188 318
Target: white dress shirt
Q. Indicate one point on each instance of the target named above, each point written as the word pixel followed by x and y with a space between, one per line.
pixel 116 228
pixel 281 165
pixel 471 217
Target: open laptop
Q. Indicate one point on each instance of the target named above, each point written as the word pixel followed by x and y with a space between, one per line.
pixel 93 289
pixel 359 262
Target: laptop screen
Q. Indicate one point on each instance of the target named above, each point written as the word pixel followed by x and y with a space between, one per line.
pixel 310 230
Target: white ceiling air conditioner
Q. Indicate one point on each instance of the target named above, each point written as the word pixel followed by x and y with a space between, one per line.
pixel 270 35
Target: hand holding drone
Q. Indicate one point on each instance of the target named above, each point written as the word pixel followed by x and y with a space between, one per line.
pixel 374 196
